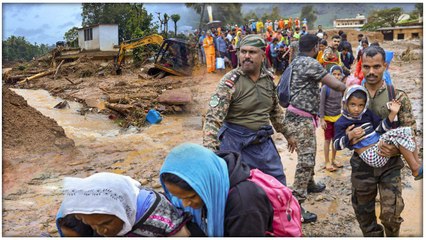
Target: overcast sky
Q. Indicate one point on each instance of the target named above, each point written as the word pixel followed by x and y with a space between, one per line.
pixel 47 22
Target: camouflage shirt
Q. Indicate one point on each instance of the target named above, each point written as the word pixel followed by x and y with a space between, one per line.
pixel 304 89
pixel 405 114
pixel 231 103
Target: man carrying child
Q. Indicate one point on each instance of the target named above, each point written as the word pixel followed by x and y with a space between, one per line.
pixel 367 180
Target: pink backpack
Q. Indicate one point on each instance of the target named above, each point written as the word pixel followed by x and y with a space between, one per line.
pixel 287 213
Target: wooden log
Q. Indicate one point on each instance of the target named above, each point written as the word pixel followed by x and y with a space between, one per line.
pixel 121 108
pixel 32 72
pixel 69 80
pixel 57 69
pixel 120 98
pixel 45 73
pixel 17 77
pixel 39 75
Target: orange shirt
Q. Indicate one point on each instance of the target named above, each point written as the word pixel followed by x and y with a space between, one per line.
pixel 208 45
pixel 281 24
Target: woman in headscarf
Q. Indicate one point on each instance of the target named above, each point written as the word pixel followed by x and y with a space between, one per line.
pixel 108 204
pixel 358 67
pixel 237 38
pixel 215 189
pixel 322 46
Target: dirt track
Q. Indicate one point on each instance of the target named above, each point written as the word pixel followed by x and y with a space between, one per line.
pixel 33 169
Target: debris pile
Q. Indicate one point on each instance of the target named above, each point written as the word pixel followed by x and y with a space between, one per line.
pixel 56 66
pixel 89 78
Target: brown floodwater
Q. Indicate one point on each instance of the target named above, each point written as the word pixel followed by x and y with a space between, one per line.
pixel 140 154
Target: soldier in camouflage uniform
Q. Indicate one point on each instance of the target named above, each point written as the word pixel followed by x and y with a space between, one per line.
pixel 366 180
pixel 300 118
pixel 242 108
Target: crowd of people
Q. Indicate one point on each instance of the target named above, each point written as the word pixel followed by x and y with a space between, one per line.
pixel 207 188
pixel 221 43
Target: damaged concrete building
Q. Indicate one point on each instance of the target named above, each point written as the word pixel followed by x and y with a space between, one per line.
pixel 100 37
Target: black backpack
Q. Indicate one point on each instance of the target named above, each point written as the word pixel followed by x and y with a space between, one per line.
pixel 283 88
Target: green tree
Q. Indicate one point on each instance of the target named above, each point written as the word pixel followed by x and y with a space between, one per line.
pixel 132 18
pixel 200 9
pixel 310 14
pixel 274 15
pixel 128 16
pixel 419 8
pixel 250 15
pixel 417 12
pixel 19 49
pixel 175 18
pixel 139 22
pixel 382 18
pixel 71 37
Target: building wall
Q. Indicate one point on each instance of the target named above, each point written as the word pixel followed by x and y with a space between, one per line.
pixel 349 23
pixel 90 44
pixel 108 37
pixel 407 33
pixel 104 38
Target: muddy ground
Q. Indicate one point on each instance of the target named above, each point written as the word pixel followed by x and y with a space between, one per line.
pixel 37 155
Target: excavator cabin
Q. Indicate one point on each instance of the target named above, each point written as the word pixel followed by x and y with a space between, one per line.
pixel 173 57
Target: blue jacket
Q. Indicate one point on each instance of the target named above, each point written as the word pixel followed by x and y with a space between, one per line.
pixel 221 44
pixel 372 124
pixel 348 60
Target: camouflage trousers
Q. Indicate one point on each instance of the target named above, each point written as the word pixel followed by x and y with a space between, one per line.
pixel 303 130
pixel 366 182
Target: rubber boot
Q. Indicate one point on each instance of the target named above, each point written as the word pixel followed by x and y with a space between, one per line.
pixel 390 233
pixel 308 217
pixel 378 232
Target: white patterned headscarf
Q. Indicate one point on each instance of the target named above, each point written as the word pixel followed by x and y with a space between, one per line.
pixel 102 193
pixel 345 99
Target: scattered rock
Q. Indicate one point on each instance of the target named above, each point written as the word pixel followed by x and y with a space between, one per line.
pixel 177 109
pixel 64 143
pixel 319 198
pixel 157 185
pixel 61 105
pixel 144 181
pixel 52 230
pixel 176 96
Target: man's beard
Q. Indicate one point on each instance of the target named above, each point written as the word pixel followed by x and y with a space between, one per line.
pixel 251 69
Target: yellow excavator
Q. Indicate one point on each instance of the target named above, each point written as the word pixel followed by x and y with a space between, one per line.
pixel 173 56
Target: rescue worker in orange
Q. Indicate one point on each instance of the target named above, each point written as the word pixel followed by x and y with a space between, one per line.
pixel 209 49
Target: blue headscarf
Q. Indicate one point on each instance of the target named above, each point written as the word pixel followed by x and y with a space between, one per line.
pixel 208 175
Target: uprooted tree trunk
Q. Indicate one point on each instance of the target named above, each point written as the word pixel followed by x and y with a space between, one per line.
pixel 39 75
pixel 57 69
pixel 124 109
pixel 48 72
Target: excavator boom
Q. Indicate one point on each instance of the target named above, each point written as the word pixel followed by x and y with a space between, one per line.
pixel 134 43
